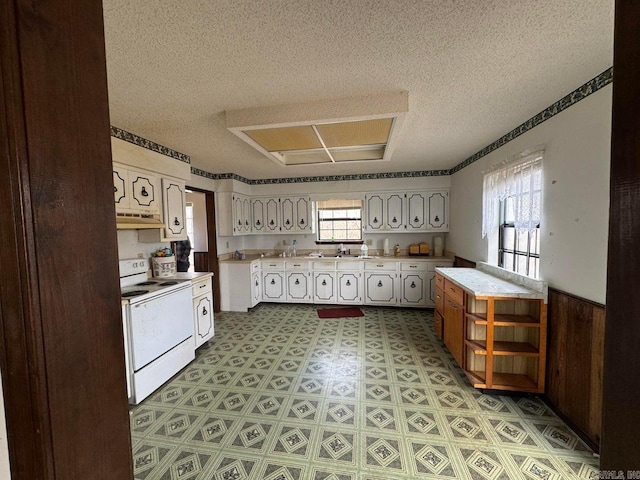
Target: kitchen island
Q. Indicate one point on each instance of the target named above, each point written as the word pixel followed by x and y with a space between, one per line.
pixel 494 323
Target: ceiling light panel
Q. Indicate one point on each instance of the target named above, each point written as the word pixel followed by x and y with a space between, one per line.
pixel 366 132
pixel 285 139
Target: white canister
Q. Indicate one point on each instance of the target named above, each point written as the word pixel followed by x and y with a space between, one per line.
pixel 438 250
pixel 386 250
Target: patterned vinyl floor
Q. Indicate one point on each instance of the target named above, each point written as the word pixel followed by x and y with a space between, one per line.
pixel 281 394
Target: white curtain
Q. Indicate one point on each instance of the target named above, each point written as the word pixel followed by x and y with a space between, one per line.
pixel 520 178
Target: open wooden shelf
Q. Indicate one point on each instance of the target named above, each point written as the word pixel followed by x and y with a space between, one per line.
pixel 503 381
pixel 505 320
pixel 503 348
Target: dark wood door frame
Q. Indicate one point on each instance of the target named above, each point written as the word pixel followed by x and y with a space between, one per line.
pixel 621 392
pixel 61 342
pixel 211 244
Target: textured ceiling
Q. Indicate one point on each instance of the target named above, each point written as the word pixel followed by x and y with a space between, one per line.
pixel 474 69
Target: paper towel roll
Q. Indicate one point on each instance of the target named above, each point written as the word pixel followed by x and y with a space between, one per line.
pixel 437 246
pixel 386 247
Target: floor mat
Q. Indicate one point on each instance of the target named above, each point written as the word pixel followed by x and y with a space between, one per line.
pixel 340 312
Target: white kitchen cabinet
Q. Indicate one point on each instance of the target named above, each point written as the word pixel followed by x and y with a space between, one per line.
pixel 203 309
pixel 324 287
pixel 437 205
pixel 287 215
pixel 241 214
pixel 380 288
pixel 350 287
pixel 416 211
pixel 174 209
pixel 404 212
pixel 395 206
pixel 295 215
pixel 303 214
pixel 273 287
pixel 258 215
pixel 256 289
pixel 136 191
pixel 413 289
pixel 273 215
pixel 235 283
pixel 298 287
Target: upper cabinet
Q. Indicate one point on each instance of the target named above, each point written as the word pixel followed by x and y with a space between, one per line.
pixel 174 209
pixel 135 191
pixel 422 211
pixel 295 215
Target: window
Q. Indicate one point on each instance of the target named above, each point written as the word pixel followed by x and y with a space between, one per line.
pixel 511 212
pixel 518 252
pixel 339 220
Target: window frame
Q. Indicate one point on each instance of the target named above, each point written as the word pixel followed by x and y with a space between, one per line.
pixel 319 222
pixel 504 224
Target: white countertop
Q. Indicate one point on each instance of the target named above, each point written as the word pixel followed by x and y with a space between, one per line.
pixel 391 258
pixel 186 276
pixel 481 284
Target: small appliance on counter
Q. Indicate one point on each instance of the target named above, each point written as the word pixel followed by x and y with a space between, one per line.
pixel 421 248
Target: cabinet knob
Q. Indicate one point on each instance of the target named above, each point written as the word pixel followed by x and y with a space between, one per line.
pixel 375 219
pixel 348 284
pixel 413 284
pixel 287 222
pixel 416 220
pixel 271 222
pixel 394 220
pixel 144 192
pixel 239 223
pixel 297 282
pixel 436 219
pixel 273 282
pixel 176 221
pixel 246 222
pixel 258 223
pixel 204 310
pixel 380 283
pixel 302 221
pixel 324 283
pixel 115 189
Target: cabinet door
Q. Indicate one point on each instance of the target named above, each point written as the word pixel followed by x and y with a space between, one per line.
pixel 413 289
pixel 272 215
pixel 287 217
pixel 380 288
pixel 324 287
pixel 297 287
pixel 395 211
pixel 438 211
pixel 431 289
pixel 416 210
pixel 174 209
pixel 258 210
pixel 349 287
pixel 374 213
pixel 145 192
pixel 303 214
pixel 273 287
pixel 453 329
pixel 246 215
pixel 121 189
pixel 256 291
pixel 203 312
pixel 238 220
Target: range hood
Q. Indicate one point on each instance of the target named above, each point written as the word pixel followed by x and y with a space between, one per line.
pixel 137 222
pixel 359 129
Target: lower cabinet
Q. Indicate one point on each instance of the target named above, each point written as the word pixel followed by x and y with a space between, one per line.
pixel 203 310
pixel 324 287
pixel 454 328
pixel 350 287
pixel 256 289
pixel 273 287
pixel 298 287
pixel 413 289
pixel 380 288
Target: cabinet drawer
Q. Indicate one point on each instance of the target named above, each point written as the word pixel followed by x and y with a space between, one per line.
pixel 380 266
pixel 349 265
pixel 323 265
pixel 292 265
pixel 439 281
pixel 432 265
pixel 454 292
pixel 200 287
pixel 439 300
pixel 255 267
pixel 272 266
pixel 413 266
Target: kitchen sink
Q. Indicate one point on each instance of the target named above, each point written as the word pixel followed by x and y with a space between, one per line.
pixel 341 255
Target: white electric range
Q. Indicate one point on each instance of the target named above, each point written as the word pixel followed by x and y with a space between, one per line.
pixel 159 327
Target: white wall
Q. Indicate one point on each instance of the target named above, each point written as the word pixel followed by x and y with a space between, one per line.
pixel 5 471
pixel 574 228
pixel 130 247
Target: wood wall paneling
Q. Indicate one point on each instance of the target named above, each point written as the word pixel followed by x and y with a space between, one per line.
pixel 574 362
pixel 621 412
pixel 67 415
pixel 201 261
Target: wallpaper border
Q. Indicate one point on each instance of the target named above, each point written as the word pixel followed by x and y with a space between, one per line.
pixel 148 144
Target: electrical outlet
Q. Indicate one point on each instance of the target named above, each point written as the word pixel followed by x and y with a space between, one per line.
pixel 368 242
pixel 141 255
pixel 227 244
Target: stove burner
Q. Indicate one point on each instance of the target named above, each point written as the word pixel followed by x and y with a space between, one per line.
pixel 150 282
pixel 134 293
pixel 170 282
